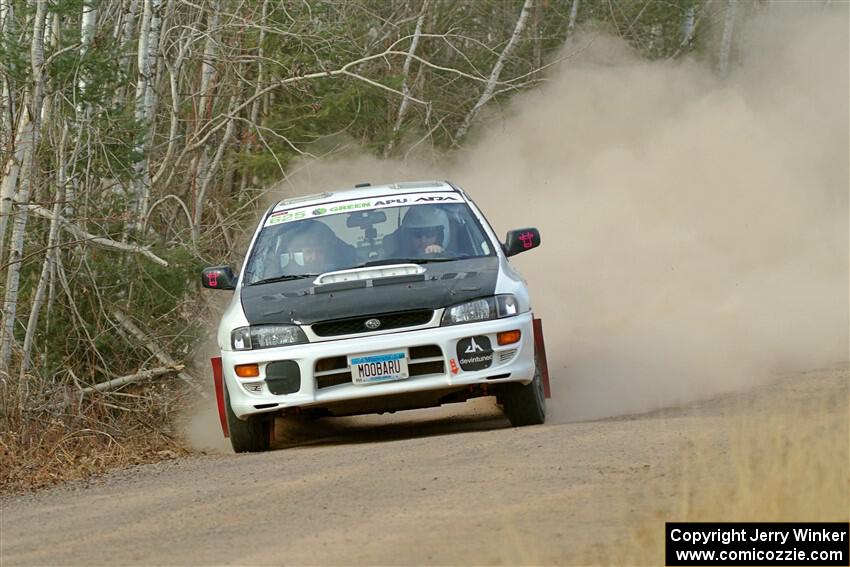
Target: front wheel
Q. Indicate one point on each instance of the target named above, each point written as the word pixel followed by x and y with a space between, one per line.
pixel 252 435
pixel 525 404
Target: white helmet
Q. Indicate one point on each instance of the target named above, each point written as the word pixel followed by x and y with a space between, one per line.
pixel 425 217
pixel 308 243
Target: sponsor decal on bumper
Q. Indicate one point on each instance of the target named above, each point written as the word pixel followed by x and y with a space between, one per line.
pixel 475 353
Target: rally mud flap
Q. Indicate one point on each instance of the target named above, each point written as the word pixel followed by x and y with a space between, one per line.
pixel 540 352
pixel 218 381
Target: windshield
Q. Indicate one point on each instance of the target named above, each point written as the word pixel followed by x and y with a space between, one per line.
pixel 300 243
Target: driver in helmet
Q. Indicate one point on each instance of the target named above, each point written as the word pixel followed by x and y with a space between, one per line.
pixel 426 230
pixel 311 249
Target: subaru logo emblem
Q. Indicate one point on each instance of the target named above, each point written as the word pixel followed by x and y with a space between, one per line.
pixel 373 324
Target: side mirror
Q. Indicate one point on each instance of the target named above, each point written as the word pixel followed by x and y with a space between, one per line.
pixel 219 277
pixel 521 240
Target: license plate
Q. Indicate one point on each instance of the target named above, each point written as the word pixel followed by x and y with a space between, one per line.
pixel 378 367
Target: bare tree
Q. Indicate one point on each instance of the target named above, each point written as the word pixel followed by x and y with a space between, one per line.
pixel 688 25
pixel 493 80
pixel 405 72
pixel 202 169
pixel 726 41
pixel 182 104
pixel 48 264
pixel 537 33
pixel 7 100
pixel 11 171
pixel 571 25
pixel 127 33
pixel 144 110
pixel 26 182
pixel 211 169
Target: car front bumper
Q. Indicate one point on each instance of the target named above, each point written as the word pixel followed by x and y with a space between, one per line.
pixel 510 363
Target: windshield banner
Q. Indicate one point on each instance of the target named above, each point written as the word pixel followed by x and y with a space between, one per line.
pixel 324 209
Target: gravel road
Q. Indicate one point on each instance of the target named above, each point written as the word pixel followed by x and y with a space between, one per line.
pixel 448 486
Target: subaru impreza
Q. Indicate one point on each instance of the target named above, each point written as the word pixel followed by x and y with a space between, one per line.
pixel 375 299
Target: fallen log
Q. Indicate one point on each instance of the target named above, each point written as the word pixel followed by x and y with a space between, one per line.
pixel 131 378
pixel 157 351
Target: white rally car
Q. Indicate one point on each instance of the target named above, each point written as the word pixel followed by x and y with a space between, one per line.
pixel 375 299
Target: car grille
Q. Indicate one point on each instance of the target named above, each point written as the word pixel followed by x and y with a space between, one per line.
pixel 424 360
pixel 354 325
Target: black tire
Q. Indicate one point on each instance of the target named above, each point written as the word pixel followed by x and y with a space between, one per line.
pixel 252 435
pixel 525 404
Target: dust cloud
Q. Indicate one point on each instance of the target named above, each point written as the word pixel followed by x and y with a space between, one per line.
pixel 199 423
pixel 695 229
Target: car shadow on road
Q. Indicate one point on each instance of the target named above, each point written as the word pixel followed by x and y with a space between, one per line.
pixel 449 420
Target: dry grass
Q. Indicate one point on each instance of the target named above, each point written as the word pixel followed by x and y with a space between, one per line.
pixel 73 441
pixel 775 463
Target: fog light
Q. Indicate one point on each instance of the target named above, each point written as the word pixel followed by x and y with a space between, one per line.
pixel 508 337
pixel 247 370
pixel 283 377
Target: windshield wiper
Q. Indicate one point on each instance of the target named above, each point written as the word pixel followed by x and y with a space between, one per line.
pixel 285 278
pixel 430 260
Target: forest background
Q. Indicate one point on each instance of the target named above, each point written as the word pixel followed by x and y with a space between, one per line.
pixel 138 138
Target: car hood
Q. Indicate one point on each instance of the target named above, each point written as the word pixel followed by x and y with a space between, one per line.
pixel 300 302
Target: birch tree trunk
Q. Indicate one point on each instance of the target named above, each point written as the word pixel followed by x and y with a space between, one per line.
pixel 7 113
pixel 52 39
pixel 87 30
pixel 207 67
pixel 125 37
pixel 536 23
pixel 144 111
pixel 726 42
pixel 405 72
pixel 150 105
pixel 205 106
pixel 49 260
pixel 571 26
pixel 10 130
pixel 258 98
pixel 255 106
pixel 11 171
pixel 490 88
pixel 7 100
pixel 87 26
pixel 127 33
pixel 22 195
pixel 688 25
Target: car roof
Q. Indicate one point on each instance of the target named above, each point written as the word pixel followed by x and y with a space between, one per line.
pixel 364 191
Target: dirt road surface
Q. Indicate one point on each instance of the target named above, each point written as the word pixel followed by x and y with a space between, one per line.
pixel 450 486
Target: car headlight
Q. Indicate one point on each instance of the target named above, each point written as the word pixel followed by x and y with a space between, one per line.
pixel 266 336
pixel 484 309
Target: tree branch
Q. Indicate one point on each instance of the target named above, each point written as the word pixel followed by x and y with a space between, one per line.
pixel 130 378
pixel 100 241
pixel 157 351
